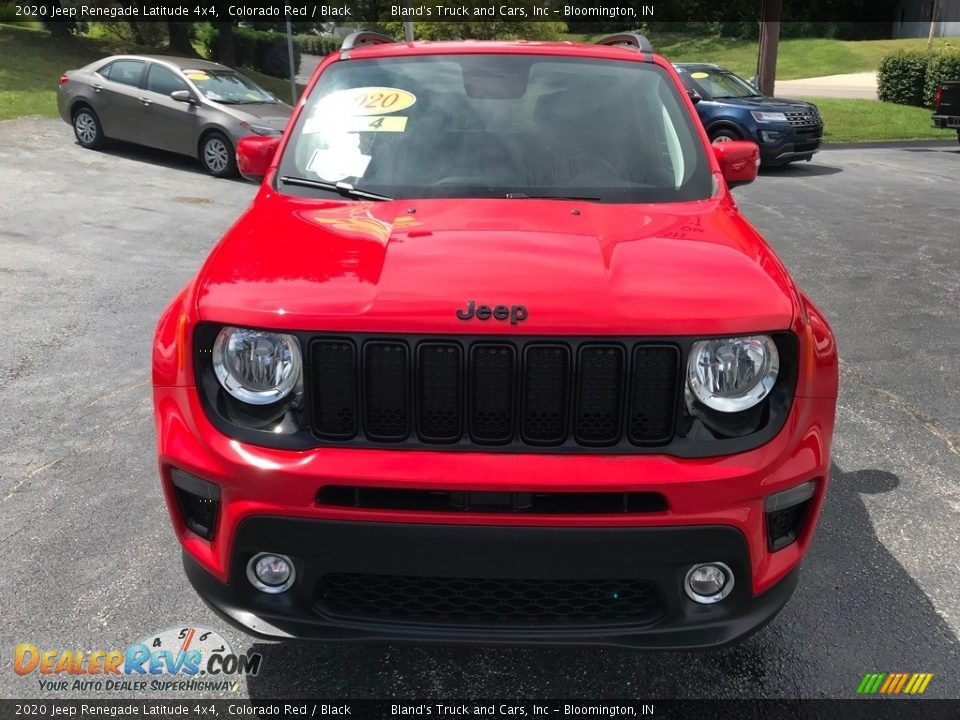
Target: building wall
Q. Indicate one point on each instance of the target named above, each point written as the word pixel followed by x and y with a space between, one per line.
pixel 912 19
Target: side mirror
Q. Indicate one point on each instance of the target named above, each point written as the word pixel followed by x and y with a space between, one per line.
pixel 182 96
pixel 739 161
pixel 694 96
pixel 255 154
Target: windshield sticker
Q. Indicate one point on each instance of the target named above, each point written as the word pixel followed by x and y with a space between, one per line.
pixel 340 159
pixel 354 124
pixel 383 123
pixel 699 75
pixel 365 101
pixel 196 75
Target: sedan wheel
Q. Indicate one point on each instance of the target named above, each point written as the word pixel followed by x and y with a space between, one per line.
pixel 216 155
pixel 86 127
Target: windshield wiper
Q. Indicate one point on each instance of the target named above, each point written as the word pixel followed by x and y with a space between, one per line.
pixel 524 196
pixel 341 188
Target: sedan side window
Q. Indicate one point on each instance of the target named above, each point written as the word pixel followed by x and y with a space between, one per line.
pixel 127 72
pixel 163 80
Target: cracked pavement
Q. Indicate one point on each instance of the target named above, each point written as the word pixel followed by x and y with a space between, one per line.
pixel 94 244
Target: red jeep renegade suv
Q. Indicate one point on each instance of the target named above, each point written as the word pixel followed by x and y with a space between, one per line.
pixel 494 358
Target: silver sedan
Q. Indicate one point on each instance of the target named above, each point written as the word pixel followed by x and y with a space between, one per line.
pixel 185 105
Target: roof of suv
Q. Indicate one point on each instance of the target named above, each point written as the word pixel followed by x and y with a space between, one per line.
pixel 458 47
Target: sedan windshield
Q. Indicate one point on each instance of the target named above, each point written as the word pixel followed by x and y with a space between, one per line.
pixel 228 87
pixel 498 126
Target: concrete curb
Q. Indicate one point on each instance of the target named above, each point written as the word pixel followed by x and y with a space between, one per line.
pixel 886 144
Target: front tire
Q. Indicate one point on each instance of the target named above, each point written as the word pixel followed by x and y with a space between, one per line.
pixel 217 155
pixel 87 128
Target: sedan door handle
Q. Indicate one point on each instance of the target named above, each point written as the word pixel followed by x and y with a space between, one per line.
pixel 97 88
pixel 146 101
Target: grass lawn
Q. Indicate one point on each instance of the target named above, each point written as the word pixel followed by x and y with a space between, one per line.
pixel 872 120
pixel 799 58
pixel 33 62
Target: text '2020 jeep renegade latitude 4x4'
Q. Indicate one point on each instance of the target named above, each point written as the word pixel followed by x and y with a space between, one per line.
pixel 493 357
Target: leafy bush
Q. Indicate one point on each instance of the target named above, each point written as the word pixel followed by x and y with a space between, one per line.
pixel 316 45
pixel 901 77
pixel 942 67
pixel 263 51
pixel 910 78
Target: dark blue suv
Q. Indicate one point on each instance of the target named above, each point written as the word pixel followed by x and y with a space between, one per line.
pixel 730 108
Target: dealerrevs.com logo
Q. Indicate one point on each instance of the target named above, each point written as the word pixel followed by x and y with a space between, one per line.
pixel 185 658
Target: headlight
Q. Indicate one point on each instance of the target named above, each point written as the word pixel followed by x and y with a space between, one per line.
pixel 733 374
pixel 255 366
pixel 766 117
pixel 260 129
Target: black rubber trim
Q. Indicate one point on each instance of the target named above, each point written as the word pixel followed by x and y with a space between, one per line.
pixel 695 434
pixel 320 547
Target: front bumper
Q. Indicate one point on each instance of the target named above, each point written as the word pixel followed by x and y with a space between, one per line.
pixel 401 554
pixel 714 512
pixel 789 145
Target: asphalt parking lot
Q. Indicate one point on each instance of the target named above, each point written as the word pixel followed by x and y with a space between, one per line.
pixel 94 244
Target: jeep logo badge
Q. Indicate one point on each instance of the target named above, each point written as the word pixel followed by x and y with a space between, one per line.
pixel 516 313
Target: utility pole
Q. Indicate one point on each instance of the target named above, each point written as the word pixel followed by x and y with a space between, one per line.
pixel 293 71
pixel 933 23
pixel 769 43
pixel 407 25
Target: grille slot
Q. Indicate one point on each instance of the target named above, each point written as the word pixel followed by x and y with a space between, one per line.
pixel 599 394
pixel 386 391
pixel 545 503
pixel 335 389
pixel 653 392
pixel 439 398
pixel 546 389
pixel 492 374
pixel 486 601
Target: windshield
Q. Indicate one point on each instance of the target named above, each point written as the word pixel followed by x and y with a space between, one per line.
pixel 228 87
pixel 714 84
pixel 492 125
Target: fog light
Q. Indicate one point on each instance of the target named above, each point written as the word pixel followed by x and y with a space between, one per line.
pixel 270 573
pixel 769 136
pixel 708 583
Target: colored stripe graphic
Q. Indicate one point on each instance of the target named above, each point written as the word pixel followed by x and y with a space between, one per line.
pixel 894 683
pixel 870 683
pixel 903 680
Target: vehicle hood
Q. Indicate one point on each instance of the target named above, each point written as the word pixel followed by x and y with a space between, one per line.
pixel 273 115
pixel 407 266
pixel 769 104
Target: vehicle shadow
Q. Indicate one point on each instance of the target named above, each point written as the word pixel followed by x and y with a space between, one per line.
pixel 153 156
pixel 857 610
pixel 798 170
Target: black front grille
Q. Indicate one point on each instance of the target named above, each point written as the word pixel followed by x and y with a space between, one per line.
pixel 804 118
pixel 489 600
pixel 477 392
